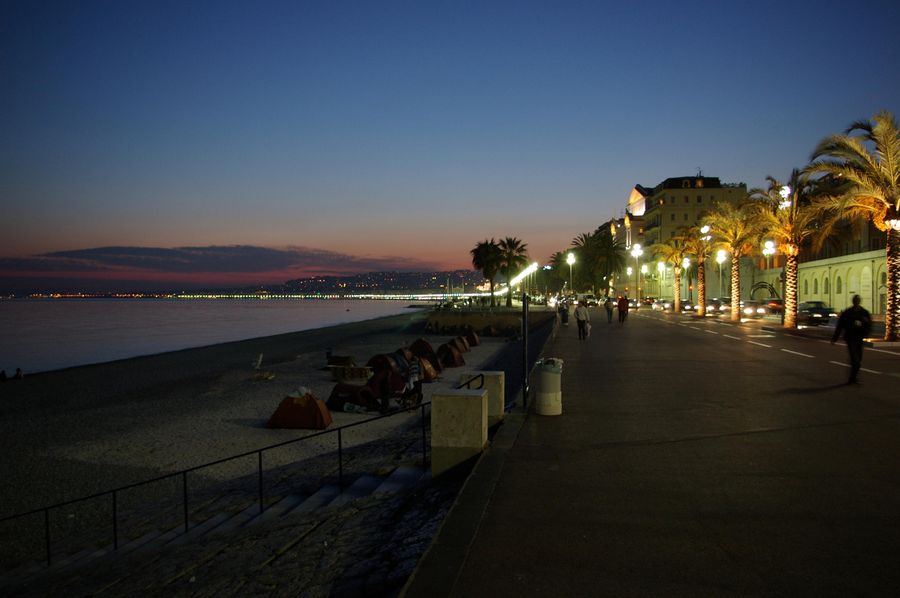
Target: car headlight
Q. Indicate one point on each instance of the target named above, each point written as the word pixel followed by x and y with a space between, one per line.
pixel 748 311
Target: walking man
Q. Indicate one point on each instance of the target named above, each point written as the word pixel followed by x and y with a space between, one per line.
pixel 622 305
pixel 608 304
pixel 855 322
pixel 583 318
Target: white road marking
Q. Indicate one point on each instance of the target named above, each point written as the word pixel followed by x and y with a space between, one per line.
pixel 883 351
pixel 846 365
pixel 737 338
pixel 694 328
pixel 861 369
pixel 869 371
pixel 711 331
pixel 760 344
pixel 796 353
pixel 761 336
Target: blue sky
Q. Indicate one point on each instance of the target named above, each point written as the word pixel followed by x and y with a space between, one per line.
pixel 398 134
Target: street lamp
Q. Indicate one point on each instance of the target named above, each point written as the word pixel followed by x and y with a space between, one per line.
pixel 685 264
pixel 720 258
pixel 636 253
pixel 570 259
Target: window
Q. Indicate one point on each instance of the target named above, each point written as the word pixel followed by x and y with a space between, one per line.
pixel 838 285
pixel 884 279
pixel 673 217
pixel 699 199
pixel 806 287
pixel 815 286
pixel 685 217
pixel 827 285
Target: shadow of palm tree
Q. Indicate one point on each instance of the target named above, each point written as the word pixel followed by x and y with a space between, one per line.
pixel 809 390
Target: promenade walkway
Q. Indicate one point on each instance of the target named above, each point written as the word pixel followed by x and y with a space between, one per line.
pixel 684 464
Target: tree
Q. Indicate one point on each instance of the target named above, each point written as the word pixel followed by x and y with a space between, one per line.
pixel 672 252
pixel 785 214
pixel 600 256
pixel 513 257
pixel 699 243
pixel 736 232
pixel 869 165
pixel 486 257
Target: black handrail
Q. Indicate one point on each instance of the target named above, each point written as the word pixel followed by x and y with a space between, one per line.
pixel 183 473
pixel 468 383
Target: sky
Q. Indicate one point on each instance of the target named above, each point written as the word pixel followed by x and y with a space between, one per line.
pixel 220 142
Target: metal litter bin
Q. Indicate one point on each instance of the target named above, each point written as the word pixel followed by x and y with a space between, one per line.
pixel 549 392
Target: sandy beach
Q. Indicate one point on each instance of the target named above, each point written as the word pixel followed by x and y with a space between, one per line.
pixel 88 429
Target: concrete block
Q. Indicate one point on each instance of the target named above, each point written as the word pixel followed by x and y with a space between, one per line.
pixel 495 384
pixel 459 426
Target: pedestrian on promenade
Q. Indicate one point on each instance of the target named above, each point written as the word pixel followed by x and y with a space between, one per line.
pixel 855 322
pixel 608 304
pixel 622 305
pixel 583 319
pixel 563 312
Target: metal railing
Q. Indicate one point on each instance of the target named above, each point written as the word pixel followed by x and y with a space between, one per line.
pixel 113 494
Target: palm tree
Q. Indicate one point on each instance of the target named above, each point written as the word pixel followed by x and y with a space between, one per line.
pixel 869 164
pixel 486 257
pixel 784 213
pixel 673 252
pixel 513 256
pixel 699 242
pixel 736 233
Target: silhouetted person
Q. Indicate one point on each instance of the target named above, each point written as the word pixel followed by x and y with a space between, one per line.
pixel 622 305
pixel 855 322
pixel 2 375
pixel 19 374
pixel 582 318
pixel 608 304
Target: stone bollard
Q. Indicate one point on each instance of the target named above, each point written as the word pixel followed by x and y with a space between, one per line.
pixel 495 384
pixel 459 426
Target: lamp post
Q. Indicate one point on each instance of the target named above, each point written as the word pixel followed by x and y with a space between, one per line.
pixel 720 258
pixel 636 253
pixel 570 259
pixel 685 264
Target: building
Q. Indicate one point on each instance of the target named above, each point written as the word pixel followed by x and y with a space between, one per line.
pixel 678 202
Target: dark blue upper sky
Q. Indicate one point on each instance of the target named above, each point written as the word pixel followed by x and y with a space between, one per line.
pixel 406 131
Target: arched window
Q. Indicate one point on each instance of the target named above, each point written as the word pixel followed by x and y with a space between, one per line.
pixel 837 285
pixel 815 286
pixel 884 279
pixel 827 285
pixel 806 287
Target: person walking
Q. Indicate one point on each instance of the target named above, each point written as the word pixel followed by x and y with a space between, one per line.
pixel 856 323
pixel 608 304
pixel 583 319
pixel 622 305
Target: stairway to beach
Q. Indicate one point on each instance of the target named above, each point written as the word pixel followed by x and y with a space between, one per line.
pixel 173 551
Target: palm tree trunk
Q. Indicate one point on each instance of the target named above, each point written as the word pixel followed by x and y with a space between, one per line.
pixel 892 313
pixel 790 291
pixel 735 288
pixel 677 290
pixel 491 282
pixel 701 288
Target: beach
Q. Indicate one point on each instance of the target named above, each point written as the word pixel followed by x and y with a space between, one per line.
pixel 78 431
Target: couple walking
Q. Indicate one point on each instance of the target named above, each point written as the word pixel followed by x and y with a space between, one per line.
pixel 620 304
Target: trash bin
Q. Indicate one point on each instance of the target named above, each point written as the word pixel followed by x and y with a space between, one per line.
pixel 549 392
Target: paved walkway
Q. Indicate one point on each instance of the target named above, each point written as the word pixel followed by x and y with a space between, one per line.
pixel 677 469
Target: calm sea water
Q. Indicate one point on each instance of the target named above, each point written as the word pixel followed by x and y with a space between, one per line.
pixel 48 334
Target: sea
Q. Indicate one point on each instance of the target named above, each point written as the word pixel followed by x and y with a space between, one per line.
pixel 39 335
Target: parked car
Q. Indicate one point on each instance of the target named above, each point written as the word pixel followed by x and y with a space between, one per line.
pixel 814 313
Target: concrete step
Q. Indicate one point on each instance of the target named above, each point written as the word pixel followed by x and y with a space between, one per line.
pixel 362 486
pixel 285 505
pixel 402 477
pixel 317 500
